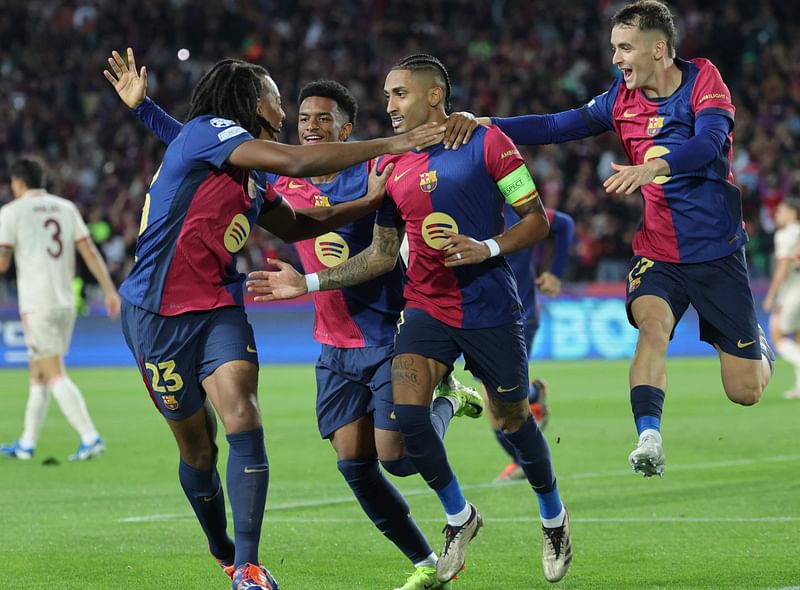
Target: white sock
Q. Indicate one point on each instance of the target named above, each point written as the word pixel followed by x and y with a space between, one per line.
pixel 73 407
pixel 789 350
pixel 460 518
pixel 430 561
pixel 35 413
pixel 556 521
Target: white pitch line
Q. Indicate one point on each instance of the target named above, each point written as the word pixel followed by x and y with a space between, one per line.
pixel 506 520
pixel 317 503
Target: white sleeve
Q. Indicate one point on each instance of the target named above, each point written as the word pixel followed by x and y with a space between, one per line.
pixel 784 244
pixel 7 227
pixel 81 231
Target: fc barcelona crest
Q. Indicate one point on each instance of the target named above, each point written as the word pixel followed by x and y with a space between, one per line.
pixel 427 181
pixel 654 125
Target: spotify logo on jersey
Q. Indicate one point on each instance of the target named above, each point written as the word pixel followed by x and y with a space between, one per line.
pixel 236 233
pixel 331 249
pixel 434 227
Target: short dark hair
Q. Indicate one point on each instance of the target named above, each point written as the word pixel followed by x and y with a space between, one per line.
pixel 649 15
pixel 338 93
pixel 230 89
pixel 29 171
pixel 425 62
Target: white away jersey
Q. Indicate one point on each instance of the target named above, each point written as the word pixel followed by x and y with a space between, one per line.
pixel 42 229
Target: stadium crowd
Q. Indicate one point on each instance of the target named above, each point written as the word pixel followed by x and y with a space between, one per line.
pixel 508 57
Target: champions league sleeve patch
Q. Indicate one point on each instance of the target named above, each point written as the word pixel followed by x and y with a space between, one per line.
pixel 230 132
pixel 518 187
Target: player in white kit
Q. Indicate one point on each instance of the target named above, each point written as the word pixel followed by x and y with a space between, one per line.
pixel 783 297
pixel 42 232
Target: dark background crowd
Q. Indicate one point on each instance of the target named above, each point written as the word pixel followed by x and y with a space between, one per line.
pixel 505 57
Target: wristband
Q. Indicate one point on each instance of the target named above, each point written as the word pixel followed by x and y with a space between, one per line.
pixel 312 282
pixel 494 247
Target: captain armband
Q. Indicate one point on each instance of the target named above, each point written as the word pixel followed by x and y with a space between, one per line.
pixel 518 187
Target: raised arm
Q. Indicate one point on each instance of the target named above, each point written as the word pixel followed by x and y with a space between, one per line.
pixel 97 266
pixel 286 283
pixel 131 86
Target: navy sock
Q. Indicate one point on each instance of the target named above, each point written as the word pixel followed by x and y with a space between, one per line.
pixel 385 507
pixel 204 491
pixel 424 448
pixel 646 403
pixel 402 467
pixel 507 446
pixel 534 458
pixel 441 414
pixel 248 478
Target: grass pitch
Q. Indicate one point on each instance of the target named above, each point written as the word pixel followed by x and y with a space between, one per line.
pixel 726 514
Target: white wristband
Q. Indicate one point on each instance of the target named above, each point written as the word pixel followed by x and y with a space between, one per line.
pixel 494 247
pixel 312 282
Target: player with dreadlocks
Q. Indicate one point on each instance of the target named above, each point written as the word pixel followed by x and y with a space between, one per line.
pixel 461 297
pixel 183 314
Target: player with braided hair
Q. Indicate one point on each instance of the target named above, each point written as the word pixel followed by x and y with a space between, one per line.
pixel 183 314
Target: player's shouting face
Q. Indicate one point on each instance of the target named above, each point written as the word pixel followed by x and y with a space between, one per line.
pixel 411 99
pixel 321 120
pixel 636 54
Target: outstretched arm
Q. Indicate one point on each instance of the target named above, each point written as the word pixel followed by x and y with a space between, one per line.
pixel 287 283
pixel 293 225
pixel 298 161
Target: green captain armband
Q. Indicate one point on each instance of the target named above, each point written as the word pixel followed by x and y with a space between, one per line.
pixel 518 187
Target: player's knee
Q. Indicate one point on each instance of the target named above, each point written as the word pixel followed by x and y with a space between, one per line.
pixel 746 393
pixel 511 417
pixel 201 457
pixel 654 331
pixel 400 467
pixel 356 471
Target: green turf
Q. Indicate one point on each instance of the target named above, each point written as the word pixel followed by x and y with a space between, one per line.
pixel 726 515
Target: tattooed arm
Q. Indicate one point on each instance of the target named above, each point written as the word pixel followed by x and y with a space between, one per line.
pixel 286 283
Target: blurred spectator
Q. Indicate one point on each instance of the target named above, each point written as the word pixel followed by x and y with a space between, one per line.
pixel 509 56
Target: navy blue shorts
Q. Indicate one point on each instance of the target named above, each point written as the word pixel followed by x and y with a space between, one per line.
pixel 718 289
pixel 497 356
pixel 351 383
pixel 529 329
pixel 176 353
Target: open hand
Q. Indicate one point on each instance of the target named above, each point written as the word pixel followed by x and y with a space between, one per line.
pixel 285 283
pixel 130 85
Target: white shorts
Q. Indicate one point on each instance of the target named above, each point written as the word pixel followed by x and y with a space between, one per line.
pixel 48 332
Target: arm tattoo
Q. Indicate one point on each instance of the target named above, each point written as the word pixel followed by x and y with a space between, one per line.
pixel 379 258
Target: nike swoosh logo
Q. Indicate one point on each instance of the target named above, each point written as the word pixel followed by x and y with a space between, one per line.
pixel 255 469
pixel 628 114
pixel 295 184
pixel 250 349
pixel 401 175
pixel 741 344
pixel 501 389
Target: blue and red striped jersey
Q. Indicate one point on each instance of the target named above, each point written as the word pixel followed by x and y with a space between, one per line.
pixel 353 317
pixel 436 190
pixel 198 213
pixel 690 217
